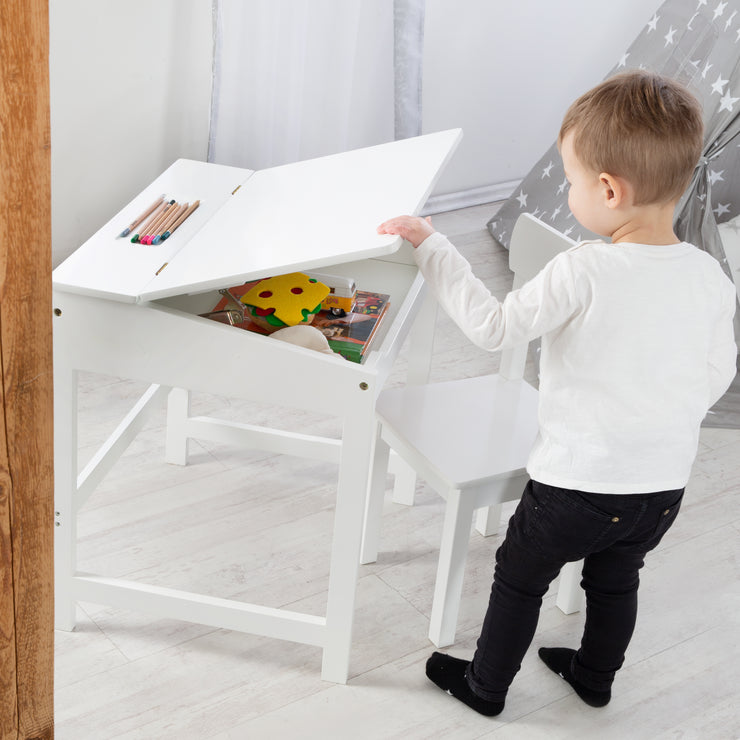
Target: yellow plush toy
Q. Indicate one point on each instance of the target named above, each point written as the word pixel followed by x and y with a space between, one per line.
pixel 285 300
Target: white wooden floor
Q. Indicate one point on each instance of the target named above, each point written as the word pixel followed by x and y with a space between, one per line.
pixel 244 524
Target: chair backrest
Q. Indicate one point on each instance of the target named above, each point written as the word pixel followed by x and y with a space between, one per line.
pixel 533 245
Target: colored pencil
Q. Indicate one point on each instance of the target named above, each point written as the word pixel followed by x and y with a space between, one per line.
pixel 182 218
pixel 156 227
pixel 151 227
pixel 177 211
pixel 147 235
pixel 144 215
pixel 152 218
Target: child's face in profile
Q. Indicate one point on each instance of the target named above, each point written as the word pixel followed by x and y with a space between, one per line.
pixel 586 192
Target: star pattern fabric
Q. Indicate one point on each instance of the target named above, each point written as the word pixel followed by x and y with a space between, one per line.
pixel 696 42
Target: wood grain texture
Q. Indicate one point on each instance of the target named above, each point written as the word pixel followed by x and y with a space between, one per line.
pixel 26 433
pixel 8 692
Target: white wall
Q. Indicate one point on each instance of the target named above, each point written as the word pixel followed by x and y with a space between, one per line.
pixel 506 70
pixel 131 90
pixel 130 93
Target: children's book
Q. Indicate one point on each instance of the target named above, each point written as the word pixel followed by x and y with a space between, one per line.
pixel 350 335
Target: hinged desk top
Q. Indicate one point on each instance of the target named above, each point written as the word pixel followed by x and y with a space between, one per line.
pixel 253 224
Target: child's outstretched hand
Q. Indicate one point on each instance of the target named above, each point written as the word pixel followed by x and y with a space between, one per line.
pixel 411 228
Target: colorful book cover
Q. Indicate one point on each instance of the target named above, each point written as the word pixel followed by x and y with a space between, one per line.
pixel 352 334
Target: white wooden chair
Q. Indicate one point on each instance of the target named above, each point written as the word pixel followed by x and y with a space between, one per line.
pixel 469 440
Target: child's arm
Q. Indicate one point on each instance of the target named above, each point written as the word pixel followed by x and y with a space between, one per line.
pixel 722 360
pixel 544 303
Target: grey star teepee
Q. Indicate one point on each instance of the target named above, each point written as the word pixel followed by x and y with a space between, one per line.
pixel 699 45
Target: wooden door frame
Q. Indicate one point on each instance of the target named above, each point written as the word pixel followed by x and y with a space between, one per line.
pixel 26 393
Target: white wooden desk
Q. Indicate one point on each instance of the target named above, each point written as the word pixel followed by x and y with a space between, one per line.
pixel 131 311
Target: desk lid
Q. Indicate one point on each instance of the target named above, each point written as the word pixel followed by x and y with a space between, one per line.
pixel 254 224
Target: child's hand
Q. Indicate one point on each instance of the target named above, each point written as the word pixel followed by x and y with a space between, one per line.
pixel 411 228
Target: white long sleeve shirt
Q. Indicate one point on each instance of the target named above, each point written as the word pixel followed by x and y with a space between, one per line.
pixel 637 345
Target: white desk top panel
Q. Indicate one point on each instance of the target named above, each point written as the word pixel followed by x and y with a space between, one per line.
pixel 309 214
pixel 110 266
pixel 299 216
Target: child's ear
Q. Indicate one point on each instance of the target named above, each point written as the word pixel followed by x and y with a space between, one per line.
pixel 616 190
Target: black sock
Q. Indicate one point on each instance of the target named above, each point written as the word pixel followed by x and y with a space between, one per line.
pixel 449 674
pixel 558 660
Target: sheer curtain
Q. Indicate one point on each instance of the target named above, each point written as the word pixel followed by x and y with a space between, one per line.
pixel 296 79
pixel 408 66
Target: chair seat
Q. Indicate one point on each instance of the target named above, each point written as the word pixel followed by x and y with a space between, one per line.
pixel 469 431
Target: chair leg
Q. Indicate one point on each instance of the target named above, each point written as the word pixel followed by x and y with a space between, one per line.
pixel 374 503
pixel 178 412
pixel 450 569
pixel 570 598
pixel 488 519
pixel 404 484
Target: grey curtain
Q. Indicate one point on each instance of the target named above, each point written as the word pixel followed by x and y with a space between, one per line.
pixel 697 43
pixel 408 53
pixel 218 35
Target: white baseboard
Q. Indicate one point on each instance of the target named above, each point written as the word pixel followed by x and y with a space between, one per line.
pixel 467 198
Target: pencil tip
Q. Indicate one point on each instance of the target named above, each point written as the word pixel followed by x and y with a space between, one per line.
pixel 125 232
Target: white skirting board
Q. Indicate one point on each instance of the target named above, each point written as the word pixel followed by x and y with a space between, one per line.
pixel 470 197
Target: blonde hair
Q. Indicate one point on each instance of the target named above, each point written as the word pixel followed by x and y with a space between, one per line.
pixel 640 126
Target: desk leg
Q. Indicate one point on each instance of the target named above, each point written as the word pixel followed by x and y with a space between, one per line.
pixel 65 489
pixel 374 504
pixel 421 342
pixel 178 412
pixel 421 346
pixel 358 442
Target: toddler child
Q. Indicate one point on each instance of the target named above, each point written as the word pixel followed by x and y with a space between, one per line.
pixel 637 345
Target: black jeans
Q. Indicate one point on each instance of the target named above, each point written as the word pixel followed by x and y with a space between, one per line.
pixel 552 526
